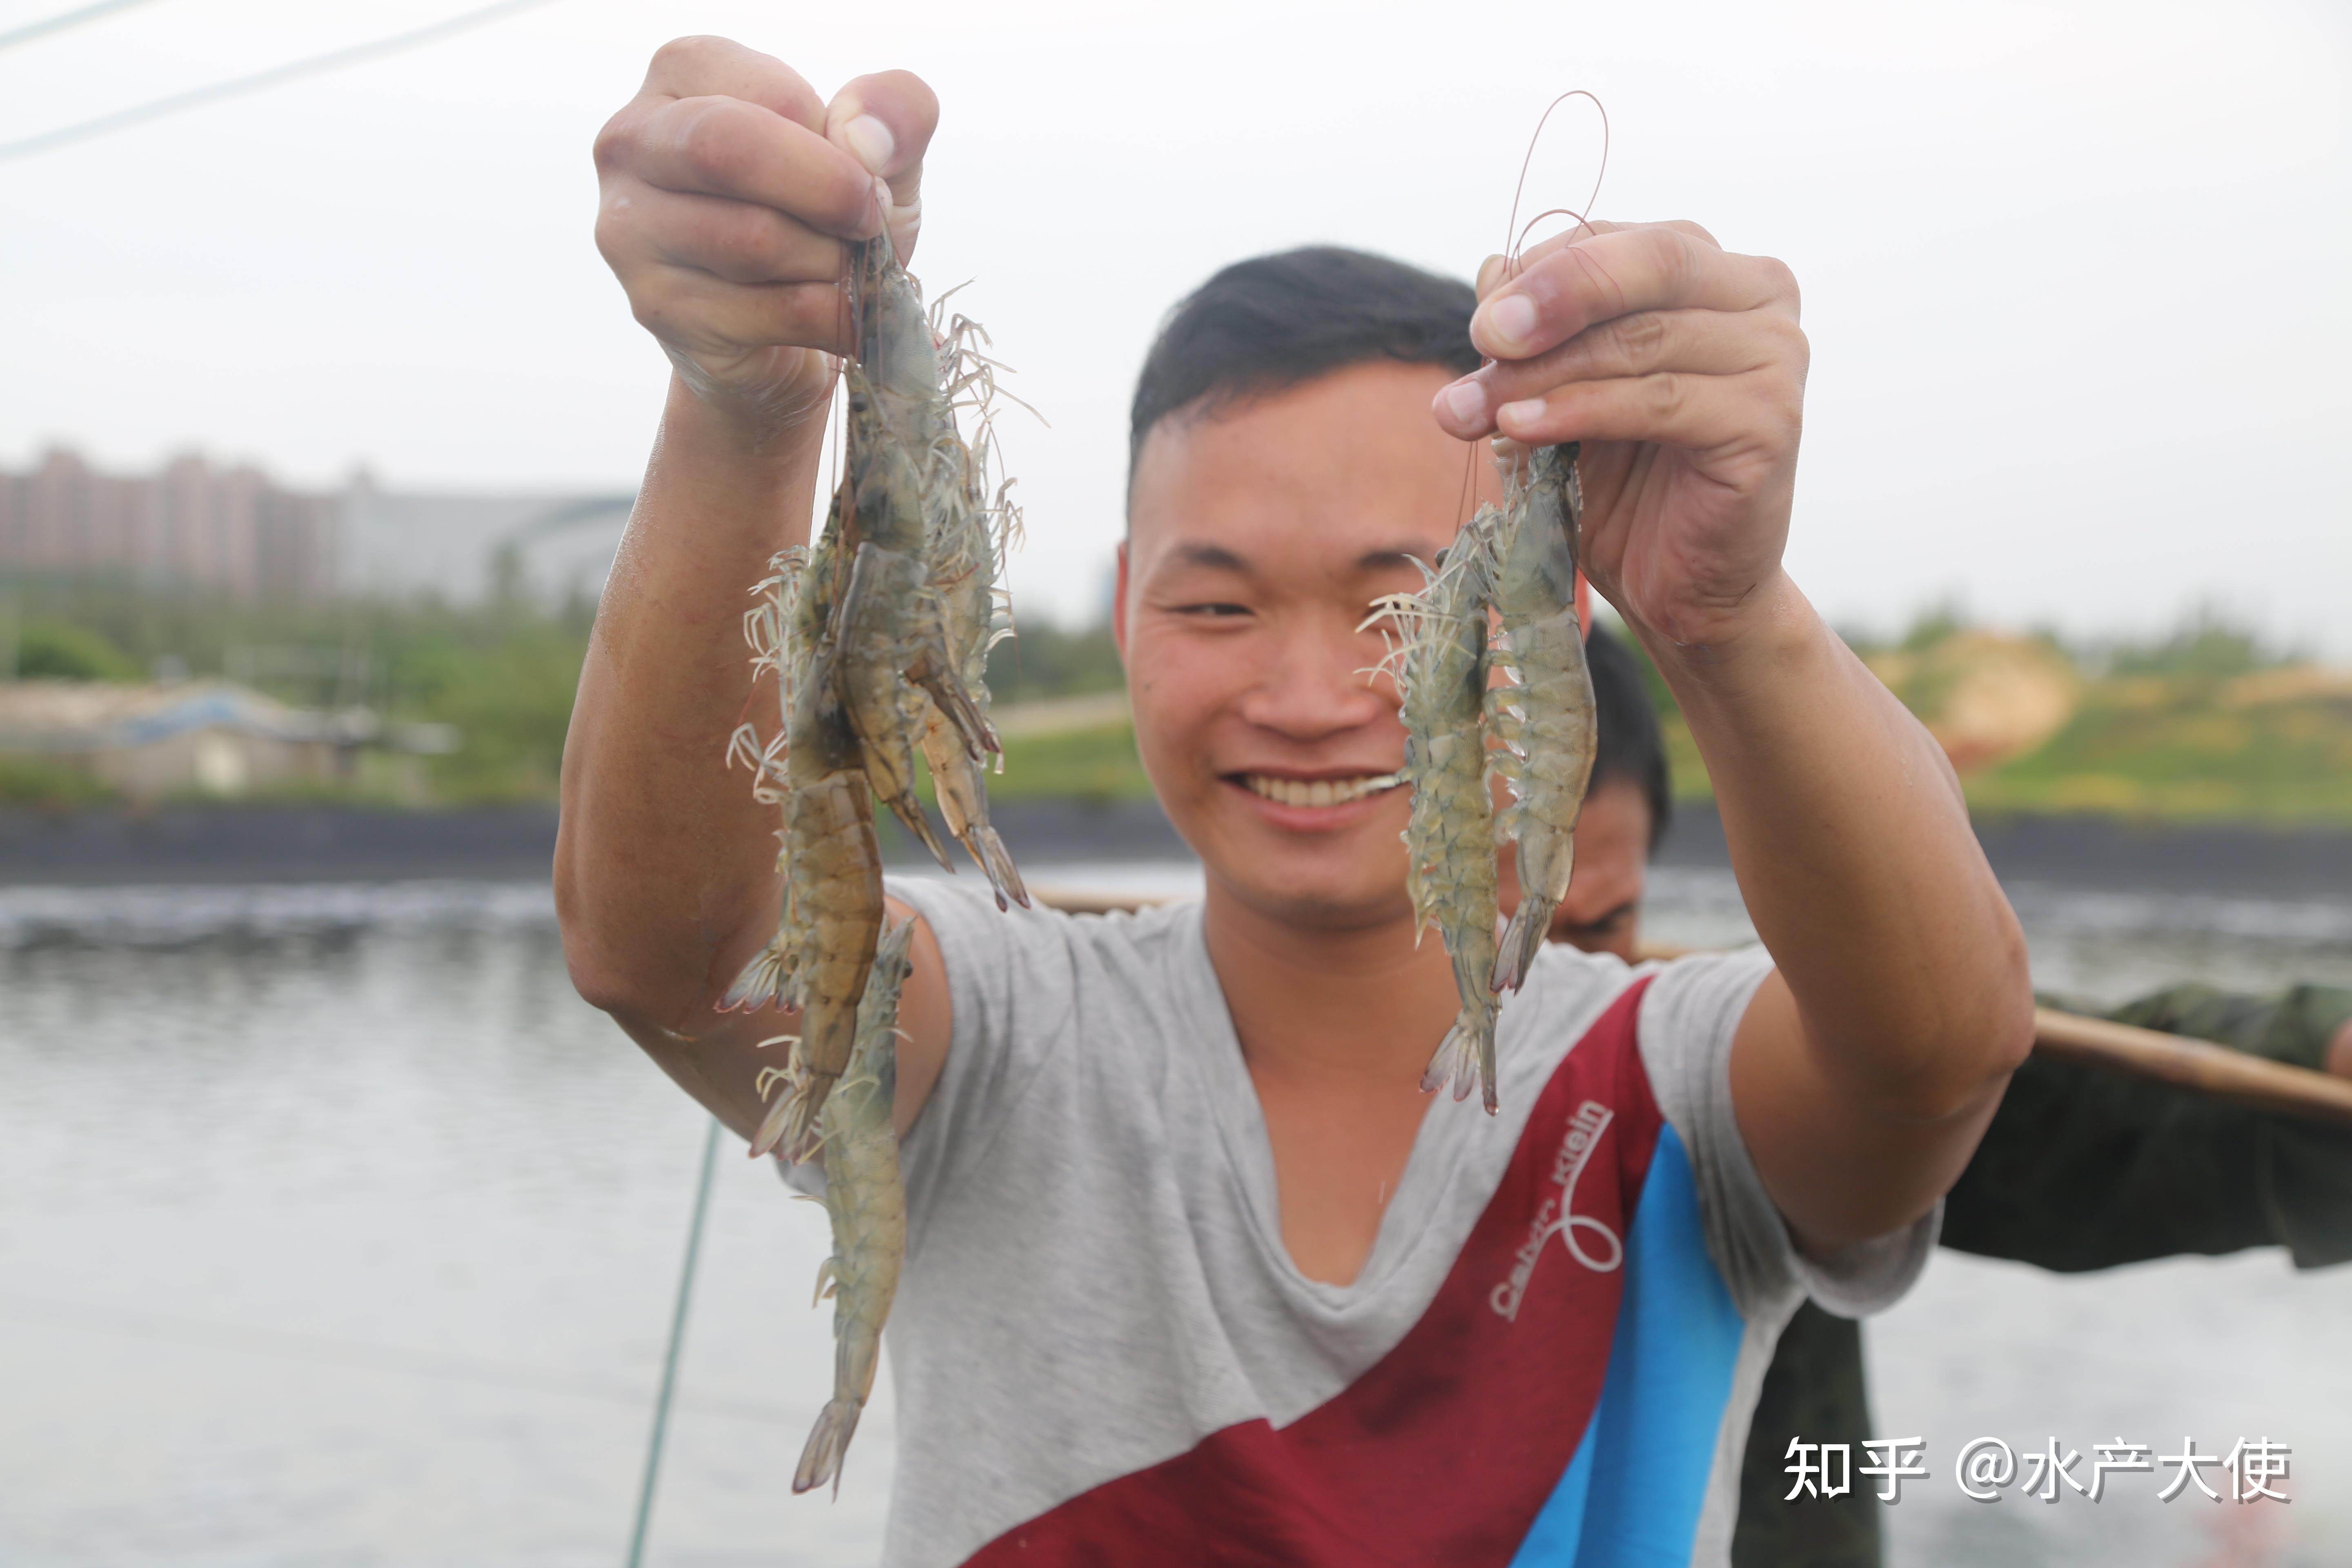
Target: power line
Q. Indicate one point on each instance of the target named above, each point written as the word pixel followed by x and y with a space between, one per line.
pixel 62 20
pixel 677 1341
pixel 238 86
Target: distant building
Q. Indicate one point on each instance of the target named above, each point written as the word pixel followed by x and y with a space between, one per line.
pixel 215 738
pixel 234 531
pixel 227 529
pixel 465 548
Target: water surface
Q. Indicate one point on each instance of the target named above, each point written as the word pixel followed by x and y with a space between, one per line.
pixel 335 1230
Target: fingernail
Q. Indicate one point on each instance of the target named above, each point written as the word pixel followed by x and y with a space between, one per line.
pixel 1465 400
pixel 871 140
pixel 1510 320
pixel 1522 413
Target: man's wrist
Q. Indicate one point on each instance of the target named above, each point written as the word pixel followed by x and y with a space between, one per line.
pixel 2338 1057
pixel 1723 647
pixel 751 442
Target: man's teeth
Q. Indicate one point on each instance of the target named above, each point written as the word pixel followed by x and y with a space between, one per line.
pixel 1319 792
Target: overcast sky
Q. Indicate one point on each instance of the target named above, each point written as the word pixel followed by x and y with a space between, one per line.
pixel 2078 278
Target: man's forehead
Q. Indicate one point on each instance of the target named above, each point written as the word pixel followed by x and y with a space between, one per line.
pixel 1350 464
pixel 1204 555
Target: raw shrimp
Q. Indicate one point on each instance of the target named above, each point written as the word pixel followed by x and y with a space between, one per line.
pixel 964 565
pixel 832 893
pixel 831 875
pixel 868 1206
pixel 1545 720
pixel 906 471
pixel 1439 659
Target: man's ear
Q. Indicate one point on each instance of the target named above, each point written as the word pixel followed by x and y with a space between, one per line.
pixel 1119 606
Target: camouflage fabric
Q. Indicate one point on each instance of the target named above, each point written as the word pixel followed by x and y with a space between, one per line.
pixel 2082 1168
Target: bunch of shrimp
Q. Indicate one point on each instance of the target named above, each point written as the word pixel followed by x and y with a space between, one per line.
pixel 878 639
pixel 1491 649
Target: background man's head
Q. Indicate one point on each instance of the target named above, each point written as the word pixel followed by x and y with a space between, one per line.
pixel 1626 807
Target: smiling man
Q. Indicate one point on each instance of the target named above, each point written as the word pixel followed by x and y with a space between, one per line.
pixel 1196 1271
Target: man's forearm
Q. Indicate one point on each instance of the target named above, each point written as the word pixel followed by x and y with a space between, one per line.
pixel 1853 851
pixel 661 862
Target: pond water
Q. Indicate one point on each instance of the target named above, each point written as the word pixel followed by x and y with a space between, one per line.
pixel 335 1230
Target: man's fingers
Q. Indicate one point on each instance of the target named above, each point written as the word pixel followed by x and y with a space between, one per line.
pixel 721 68
pixel 1702 343
pixel 1597 276
pixel 1571 235
pixel 884 122
pixel 1672 408
pixel 1497 270
pixel 726 147
pixel 736 242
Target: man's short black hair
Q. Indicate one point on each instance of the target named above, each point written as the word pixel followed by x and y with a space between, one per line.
pixel 1276 321
pixel 1629 745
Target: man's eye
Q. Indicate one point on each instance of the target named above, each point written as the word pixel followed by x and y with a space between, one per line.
pixel 1212 611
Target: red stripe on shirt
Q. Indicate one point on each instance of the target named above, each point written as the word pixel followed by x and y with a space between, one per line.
pixel 1444 1451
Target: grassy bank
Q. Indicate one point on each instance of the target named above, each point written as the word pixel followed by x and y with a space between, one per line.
pixel 2207 724
pixel 502 673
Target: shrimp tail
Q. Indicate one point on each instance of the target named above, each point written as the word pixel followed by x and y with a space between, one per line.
pixel 908 810
pixel 827 1443
pixel 1522 940
pixel 997 861
pixel 1466 1058
pixel 932 670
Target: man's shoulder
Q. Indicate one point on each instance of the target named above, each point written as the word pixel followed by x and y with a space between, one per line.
pixel 965 912
pixel 1041 964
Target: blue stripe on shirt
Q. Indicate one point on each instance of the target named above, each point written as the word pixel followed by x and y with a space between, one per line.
pixel 1632 1495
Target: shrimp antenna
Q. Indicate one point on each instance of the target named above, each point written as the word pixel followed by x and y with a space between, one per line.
pixel 1512 235
pixel 1515 239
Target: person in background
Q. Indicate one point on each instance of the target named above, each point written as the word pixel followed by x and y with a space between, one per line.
pixel 2083 1167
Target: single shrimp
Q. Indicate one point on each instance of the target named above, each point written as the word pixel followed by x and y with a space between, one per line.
pixel 964 563
pixel 867 1204
pixel 1439 659
pixel 1545 718
pixel 832 876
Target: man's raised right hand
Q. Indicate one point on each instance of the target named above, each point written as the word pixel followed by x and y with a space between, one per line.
pixel 728 193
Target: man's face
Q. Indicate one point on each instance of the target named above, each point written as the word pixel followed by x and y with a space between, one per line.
pixel 1257 539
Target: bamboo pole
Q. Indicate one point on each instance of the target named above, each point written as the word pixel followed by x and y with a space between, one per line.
pixel 2190 1064
pixel 2196 1065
